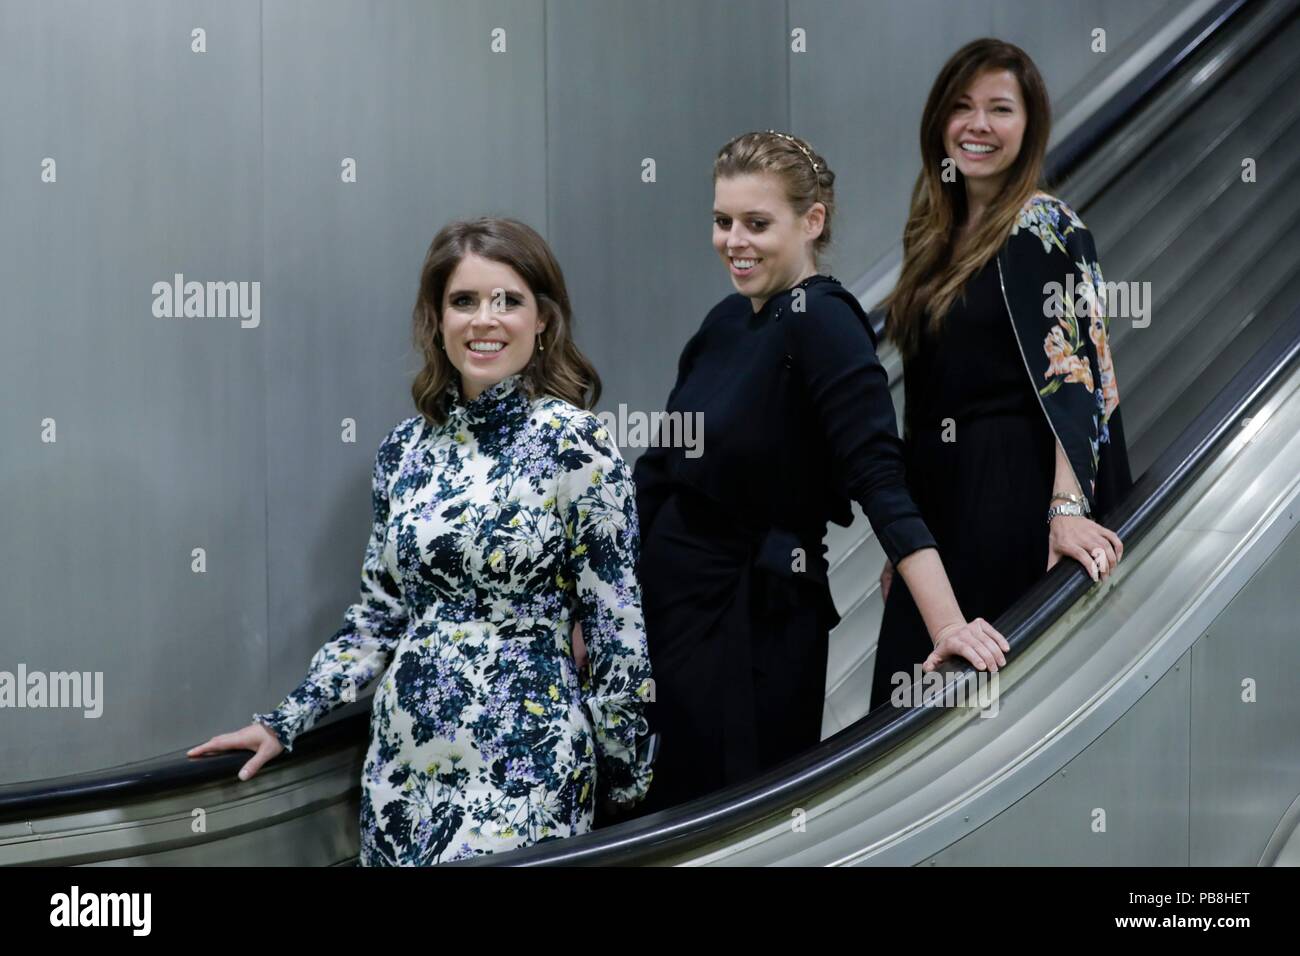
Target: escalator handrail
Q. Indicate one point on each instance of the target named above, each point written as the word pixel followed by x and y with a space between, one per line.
pixel 1083 141
pixel 171 771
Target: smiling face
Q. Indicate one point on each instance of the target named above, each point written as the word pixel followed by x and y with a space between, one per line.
pixel 985 129
pixel 764 245
pixel 490 322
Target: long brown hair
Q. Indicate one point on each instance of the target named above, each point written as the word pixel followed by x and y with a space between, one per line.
pixel 804 175
pixel 934 271
pixel 560 369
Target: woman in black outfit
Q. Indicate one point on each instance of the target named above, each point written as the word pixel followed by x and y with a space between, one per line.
pixel 1009 370
pixel 798 422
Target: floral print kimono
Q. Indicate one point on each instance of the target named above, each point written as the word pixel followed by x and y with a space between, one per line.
pixel 1056 296
pixel 491 533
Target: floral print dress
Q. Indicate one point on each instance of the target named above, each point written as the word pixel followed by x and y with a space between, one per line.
pixel 492 533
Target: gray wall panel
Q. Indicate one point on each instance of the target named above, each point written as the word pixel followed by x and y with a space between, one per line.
pixel 159 421
pixel 672 81
pixel 441 128
pixel 1136 772
pixel 1246 756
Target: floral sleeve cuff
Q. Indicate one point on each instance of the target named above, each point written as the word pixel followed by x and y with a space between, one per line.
pixel 622 735
pixel 277 723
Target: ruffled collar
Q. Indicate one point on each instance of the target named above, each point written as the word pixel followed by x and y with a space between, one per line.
pixel 507 398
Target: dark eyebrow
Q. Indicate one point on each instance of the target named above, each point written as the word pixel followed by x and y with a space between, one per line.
pixel 752 212
pixel 508 291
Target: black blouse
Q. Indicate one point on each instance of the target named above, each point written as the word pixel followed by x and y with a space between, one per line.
pixel 797 421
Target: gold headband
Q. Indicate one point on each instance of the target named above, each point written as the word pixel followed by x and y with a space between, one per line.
pixel 802 149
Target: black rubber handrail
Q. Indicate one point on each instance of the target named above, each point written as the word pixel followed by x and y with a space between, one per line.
pixel 143 779
pixel 853 749
pixel 349 727
pixel 1065 157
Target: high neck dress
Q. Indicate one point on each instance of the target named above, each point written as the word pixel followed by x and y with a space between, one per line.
pixel 797 423
pixel 492 532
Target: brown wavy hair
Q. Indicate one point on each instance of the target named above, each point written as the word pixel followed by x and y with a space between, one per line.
pixel 771 152
pixel 560 369
pixel 934 270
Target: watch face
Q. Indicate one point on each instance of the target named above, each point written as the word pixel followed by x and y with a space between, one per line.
pixel 1072 510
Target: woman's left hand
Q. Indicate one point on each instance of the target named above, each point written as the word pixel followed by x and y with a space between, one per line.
pixel 1098 549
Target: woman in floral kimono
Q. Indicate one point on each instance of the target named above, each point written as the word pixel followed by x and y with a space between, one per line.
pixel 1014 445
pixel 503 514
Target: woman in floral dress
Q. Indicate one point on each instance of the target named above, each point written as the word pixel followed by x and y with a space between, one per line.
pixel 1013 436
pixel 503 515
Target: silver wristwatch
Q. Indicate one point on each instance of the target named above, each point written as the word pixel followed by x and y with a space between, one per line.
pixel 1072 508
pixel 1070 497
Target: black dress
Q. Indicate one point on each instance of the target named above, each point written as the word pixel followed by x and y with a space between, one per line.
pixel 985 491
pixel 797 421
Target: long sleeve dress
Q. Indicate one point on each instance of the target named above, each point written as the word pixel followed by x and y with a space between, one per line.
pixel 491 533
pixel 798 422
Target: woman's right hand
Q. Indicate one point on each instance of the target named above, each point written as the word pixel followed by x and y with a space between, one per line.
pixel 977 641
pixel 254 737
pixel 886 578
